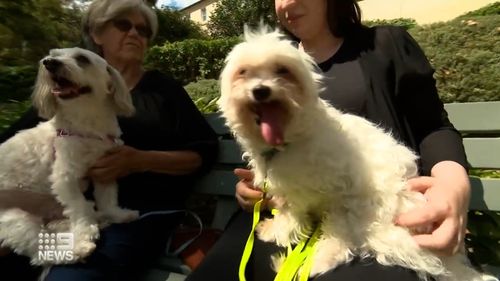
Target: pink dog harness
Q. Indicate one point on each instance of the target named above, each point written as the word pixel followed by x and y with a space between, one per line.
pixel 66 133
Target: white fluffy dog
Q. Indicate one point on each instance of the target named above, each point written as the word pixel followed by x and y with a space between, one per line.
pixel 81 95
pixel 325 167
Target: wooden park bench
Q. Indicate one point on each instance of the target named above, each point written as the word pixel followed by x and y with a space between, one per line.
pixel 478 122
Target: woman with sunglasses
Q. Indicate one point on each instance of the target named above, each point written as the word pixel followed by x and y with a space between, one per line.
pixel 167 145
pixel 381 74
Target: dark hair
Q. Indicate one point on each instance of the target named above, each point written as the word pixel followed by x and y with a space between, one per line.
pixel 343 16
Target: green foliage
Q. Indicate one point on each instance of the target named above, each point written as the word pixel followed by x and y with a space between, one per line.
pixel 488 10
pixel 11 111
pixel 483 237
pixel 205 94
pixel 403 22
pixel 191 59
pixel 466 56
pixel 16 82
pixel 174 26
pixel 229 16
pixel 485 173
pixel 31 27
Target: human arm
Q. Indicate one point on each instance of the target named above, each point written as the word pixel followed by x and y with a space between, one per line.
pixel 32 202
pixel 176 139
pixel 123 160
pixel 442 156
pixel 40 204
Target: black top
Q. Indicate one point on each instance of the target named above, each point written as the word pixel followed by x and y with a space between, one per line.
pixel 383 75
pixel 165 119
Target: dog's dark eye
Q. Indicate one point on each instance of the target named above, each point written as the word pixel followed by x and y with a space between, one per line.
pixel 242 71
pixel 82 60
pixel 281 70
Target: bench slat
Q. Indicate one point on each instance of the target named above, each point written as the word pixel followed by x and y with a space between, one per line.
pixel 226 207
pixel 482 152
pixel 485 194
pixel 217 123
pixel 229 153
pixel 218 182
pixel 475 117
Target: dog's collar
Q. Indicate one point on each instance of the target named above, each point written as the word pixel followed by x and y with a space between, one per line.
pixel 271 152
pixel 67 133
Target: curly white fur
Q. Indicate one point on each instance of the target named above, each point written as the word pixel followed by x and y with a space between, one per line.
pixel 82 95
pixel 327 167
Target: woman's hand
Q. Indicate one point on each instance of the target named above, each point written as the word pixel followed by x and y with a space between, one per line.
pixel 116 163
pixel 38 204
pixel 247 194
pixel 447 192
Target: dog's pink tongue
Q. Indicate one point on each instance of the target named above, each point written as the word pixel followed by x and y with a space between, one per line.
pixel 272 118
pixel 64 91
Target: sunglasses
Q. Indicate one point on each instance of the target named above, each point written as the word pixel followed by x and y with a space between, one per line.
pixel 125 25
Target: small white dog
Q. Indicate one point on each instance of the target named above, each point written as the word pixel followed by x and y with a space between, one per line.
pixel 81 95
pixel 328 168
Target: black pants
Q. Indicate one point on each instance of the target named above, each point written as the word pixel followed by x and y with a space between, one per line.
pixel 222 262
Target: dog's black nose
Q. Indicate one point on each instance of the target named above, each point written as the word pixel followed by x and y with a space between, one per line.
pixel 261 92
pixel 51 64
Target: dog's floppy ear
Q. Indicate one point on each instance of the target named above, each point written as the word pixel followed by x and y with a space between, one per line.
pixel 43 100
pixel 120 94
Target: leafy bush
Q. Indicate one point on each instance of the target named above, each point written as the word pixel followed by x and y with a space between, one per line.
pixel 488 10
pixel 466 55
pixel 174 26
pixel 205 94
pixel 483 237
pixel 11 111
pixel 192 59
pixel 403 22
pixel 16 82
pixel 229 16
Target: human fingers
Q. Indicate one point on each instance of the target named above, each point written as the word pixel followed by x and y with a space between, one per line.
pixel 115 149
pixel 427 214
pixel 246 195
pixel 420 184
pixel 443 240
pixel 5 251
pixel 53 210
pixel 104 161
pixel 244 174
pixel 102 175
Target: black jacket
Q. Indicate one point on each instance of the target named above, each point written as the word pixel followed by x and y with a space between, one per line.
pixel 399 92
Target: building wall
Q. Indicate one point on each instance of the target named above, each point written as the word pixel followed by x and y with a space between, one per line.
pixel 423 11
pixel 195 11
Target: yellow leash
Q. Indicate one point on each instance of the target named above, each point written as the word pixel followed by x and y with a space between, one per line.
pixel 298 259
pixel 249 245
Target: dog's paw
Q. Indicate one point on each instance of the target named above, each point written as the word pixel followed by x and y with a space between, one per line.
pixel 117 215
pixel 93 233
pixel 265 231
pixel 328 255
pixel 322 265
pixel 55 226
pixel 82 249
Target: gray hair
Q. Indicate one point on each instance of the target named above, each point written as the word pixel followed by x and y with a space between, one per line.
pixel 100 12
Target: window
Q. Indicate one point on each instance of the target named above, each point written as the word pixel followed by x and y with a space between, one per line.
pixel 204 14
